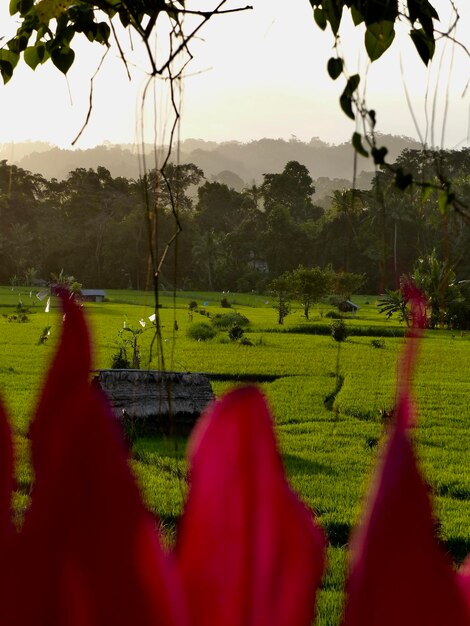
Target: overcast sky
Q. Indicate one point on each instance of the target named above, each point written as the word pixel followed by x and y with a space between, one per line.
pixel 259 73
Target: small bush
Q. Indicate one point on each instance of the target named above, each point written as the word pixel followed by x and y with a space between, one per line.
pixel 225 321
pixel 192 305
pixel 225 304
pixel 236 332
pixel 377 343
pixel 44 336
pixel 334 315
pixel 244 341
pixel 339 331
pixel 121 360
pixel 201 331
pixel 21 314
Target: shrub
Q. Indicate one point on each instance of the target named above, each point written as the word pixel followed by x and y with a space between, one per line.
pixel 235 332
pixel 334 315
pixel 21 314
pixel 120 360
pixel 225 321
pixel 377 343
pixel 339 331
pixel 225 304
pixel 44 336
pixel 192 305
pixel 201 331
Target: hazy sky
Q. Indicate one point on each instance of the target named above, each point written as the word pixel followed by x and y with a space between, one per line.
pixel 259 73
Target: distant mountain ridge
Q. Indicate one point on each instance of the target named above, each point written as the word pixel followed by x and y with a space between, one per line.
pixel 249 161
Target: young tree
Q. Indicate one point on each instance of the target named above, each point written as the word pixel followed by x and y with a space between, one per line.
pixel 310 285
pixel 395 301
pixel 282 290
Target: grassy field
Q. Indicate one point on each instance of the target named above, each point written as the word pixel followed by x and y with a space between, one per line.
pixel 328 433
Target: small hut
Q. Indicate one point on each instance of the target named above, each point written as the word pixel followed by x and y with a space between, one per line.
pixel 93 295
pixel 346 306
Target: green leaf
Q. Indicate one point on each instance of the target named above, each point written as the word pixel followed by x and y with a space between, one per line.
pixel 9 56
pixel 124 17
pixel 378 38
pixel 353 83
pixel 357 16
pixel 66 35
pixel 424 12
pixel 34 55
pixel 345 103
pixel 375 11
pixel 345 99
pixel 13 7
pixel 6 70
pixel 334 12
pixel 48 9
pixel 335 67
pixel 42 51
pixel 20 6
pixel 103 33
pixel 357 143
pixel 319 16
pixel 31 57
pixel 379 154
pixel 91 32
pixel 18 43
pixel 424 44
pixel 63 58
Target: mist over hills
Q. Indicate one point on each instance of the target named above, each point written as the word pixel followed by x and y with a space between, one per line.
pixel 241 163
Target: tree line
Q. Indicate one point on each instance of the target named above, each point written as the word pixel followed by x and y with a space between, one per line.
pixel 95 226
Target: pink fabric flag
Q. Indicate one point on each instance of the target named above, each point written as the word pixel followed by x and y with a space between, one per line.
pixel 249 551
pixel 88 553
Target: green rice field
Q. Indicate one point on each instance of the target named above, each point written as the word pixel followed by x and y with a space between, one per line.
pixel 329 433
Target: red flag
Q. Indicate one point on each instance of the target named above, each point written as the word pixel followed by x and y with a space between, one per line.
pixel 248 549
pixel 88 553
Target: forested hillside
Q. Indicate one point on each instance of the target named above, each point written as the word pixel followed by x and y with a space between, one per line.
pixel 249 161
pixel 93 225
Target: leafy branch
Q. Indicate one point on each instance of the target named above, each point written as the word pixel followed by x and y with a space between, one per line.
pixel 380 18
